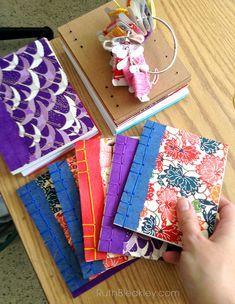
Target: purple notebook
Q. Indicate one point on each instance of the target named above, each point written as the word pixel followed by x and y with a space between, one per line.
pixel 40 113
pixel 113 238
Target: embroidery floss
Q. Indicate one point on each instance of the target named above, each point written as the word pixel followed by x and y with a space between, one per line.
pixel 119 53
pixel 137 76
pixel 142 85
pixel 128 30
pixel 119 78
pixel 129 78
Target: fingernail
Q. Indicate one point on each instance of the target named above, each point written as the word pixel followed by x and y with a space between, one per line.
pixel 183 204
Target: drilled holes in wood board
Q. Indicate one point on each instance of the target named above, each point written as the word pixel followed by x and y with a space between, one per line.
pixel 75 38
pixel 111 96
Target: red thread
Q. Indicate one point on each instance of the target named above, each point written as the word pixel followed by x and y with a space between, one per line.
pixel 117 74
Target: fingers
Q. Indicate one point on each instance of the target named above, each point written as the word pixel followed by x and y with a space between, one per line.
pixel 188 223
pixel 226 210
pixel 171 257
pixel 225 228
pixel 227 214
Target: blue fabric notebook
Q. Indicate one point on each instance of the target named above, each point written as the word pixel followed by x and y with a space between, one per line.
pixel 35 202
pixel 69 199
pixel 135 191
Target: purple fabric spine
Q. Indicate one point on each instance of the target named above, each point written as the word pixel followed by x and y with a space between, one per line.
pixel 112 237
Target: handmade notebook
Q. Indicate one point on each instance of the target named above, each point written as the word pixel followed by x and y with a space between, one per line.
pixel 111 260
pixel 93 162
pixel 168 164
pixel 45 183
pixel 113 238
pixel 41 116
pixel 119 108
pixel 69 200
pixel 35 202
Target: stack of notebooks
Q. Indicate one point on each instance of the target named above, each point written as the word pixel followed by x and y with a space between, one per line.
pixel 114 200
pixel 41 117
pixel 120 109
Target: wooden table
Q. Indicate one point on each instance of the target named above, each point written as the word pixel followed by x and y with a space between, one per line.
pixel 205 31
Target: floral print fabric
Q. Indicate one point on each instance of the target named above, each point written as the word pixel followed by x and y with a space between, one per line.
pixel 190 166
pixel 46 184
pixel 106 152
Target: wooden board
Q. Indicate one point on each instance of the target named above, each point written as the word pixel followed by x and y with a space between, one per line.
pixel 93 60
pixel 206 37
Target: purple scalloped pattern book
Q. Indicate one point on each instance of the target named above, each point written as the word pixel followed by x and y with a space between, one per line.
pixel 39 110
pixel 113 238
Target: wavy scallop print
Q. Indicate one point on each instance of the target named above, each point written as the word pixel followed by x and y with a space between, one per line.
pixel 12 63
pixel 34 87
pixel 63 84
pixel 38 97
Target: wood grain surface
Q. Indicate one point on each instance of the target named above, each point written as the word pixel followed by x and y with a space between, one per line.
pixel 205 31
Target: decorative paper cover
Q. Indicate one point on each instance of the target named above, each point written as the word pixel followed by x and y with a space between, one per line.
pixel 118 102
pixel 39 110
pixel 113 238
pixel 69 200
pixel 45 183
pixel 93 162
pixel 38 208
pixel 168 164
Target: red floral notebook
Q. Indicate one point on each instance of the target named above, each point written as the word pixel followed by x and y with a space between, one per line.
pixel 168 164
pixel 93 163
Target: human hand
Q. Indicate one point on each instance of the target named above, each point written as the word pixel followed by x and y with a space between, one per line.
pixel 207 266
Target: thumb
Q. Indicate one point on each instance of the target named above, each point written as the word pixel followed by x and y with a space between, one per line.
pixel 188 223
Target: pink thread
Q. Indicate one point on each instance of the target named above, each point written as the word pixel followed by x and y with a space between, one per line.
pixel 139 81
pixel 137 60
pixel 128 75
pixel 141 84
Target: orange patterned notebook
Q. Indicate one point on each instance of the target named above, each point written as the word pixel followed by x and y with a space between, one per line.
pixel 93 163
